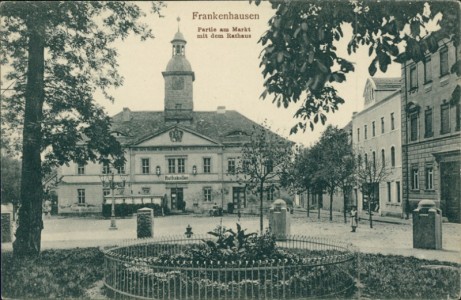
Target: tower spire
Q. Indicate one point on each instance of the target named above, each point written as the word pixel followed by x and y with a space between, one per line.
pixel 178 19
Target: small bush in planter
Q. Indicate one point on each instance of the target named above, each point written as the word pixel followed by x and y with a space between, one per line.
pixel 233 246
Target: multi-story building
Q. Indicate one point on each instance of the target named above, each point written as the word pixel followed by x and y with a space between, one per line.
pixel 376 138
pixel 431 131
pixel 187 158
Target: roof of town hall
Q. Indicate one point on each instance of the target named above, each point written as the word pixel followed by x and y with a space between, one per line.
pixel 229 127
pixel 386 84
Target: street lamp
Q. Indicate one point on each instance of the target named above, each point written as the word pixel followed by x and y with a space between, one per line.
pixel 108 180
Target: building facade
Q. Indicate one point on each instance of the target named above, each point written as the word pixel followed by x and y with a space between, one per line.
pixel 431 131
pixel 376 138
pixel 183 157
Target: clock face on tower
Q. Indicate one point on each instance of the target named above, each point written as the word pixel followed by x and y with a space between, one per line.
pixel 178 83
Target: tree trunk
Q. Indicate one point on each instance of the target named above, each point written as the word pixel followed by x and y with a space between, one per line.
pixel 369 208
pixel 261 219
pixel 319 197
pixel 308 203
pixel 344 205
pixel 30 224
pixel 331 205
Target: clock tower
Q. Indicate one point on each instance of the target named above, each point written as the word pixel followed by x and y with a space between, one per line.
pixel 179 79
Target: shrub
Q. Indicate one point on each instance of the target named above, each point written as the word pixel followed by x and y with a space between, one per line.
pixel 232 246
pixel 54 274
pixel 123 209
pixel 402 277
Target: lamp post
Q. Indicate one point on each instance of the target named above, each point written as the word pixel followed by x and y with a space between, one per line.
pixel 108 180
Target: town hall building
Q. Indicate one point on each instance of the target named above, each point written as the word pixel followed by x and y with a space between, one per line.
pixel 180 156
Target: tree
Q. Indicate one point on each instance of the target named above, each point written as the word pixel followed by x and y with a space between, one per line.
pixel 264 159
pixel 335 164
pixel 300 60
pixel 301 176
pixel 369 174
pixel 59 54
pixel 347 181
pixel 297 178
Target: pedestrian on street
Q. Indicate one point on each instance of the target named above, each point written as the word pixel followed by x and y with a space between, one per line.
pixel 353 218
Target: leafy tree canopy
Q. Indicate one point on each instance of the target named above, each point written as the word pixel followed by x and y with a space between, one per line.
pixel 79 60
pixel 301 63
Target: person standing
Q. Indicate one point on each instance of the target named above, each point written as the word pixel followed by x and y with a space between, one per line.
pixel 48 209
pixel 353 218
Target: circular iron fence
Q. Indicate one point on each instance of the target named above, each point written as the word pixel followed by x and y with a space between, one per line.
pixel 141 269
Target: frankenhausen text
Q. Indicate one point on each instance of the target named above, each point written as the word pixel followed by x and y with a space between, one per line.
pixel 228 16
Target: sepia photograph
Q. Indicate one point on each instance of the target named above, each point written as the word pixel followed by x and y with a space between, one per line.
pixel 280 149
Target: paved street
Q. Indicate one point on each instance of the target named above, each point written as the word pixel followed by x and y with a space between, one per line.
pixel 385 238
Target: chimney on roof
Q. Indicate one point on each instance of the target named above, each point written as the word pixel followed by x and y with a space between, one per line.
pixel 354 113
pixel 221 110
pixel 126 114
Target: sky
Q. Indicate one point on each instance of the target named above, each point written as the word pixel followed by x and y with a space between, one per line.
pixel 227 71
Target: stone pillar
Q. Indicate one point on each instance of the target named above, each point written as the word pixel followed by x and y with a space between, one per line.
pixel 279 220
pixel 145 223
pixel 427 226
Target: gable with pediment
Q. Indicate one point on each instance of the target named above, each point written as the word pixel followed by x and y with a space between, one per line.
pixel 177 137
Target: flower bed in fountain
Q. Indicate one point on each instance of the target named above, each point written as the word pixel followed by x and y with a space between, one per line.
pixel 231 265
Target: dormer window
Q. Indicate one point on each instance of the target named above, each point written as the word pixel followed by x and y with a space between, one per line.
pixel 117 133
